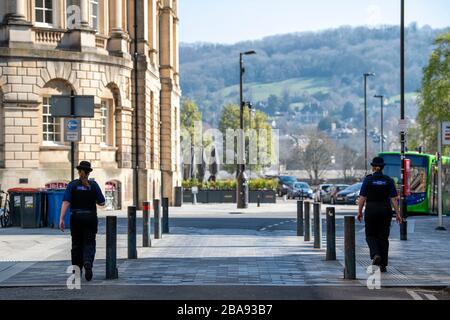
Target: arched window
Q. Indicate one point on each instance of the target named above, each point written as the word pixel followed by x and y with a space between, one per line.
pixel 107 122
pixel 52 127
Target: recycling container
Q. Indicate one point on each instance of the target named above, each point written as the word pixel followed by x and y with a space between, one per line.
pixel 27 207
pixel 54 204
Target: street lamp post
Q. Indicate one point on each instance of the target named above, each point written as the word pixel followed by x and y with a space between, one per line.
pixel 381 97
pixel 366 75
pixel 242 185
pixel 403 205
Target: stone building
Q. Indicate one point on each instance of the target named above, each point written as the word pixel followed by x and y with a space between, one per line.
pixel 54 47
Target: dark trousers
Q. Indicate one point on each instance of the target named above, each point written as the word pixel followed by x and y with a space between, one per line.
pixel 378 228
pixel 83 228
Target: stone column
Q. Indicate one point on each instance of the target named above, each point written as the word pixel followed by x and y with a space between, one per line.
pixel 16 11
pixel 84 13
pixel 117 7
pixel 118 41
pixel 16 29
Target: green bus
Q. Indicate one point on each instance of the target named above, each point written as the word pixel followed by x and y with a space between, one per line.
pixel 424 181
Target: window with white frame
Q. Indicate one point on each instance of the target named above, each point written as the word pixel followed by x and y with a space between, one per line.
pixel 51 126
pixel 44 12
pixel 107 123
pixel 95 14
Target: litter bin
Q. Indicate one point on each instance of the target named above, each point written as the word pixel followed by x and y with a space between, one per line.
pixel 54 204
pixel 27 207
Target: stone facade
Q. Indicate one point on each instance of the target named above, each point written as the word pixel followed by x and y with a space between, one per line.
pixel 42 54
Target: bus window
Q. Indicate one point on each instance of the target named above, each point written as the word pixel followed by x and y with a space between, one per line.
pixel 418 180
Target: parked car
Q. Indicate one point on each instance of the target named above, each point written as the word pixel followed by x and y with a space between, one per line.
pixel 349 195
pixel 300 190
pixel 321 191
pixel 330 197
pixel 283 184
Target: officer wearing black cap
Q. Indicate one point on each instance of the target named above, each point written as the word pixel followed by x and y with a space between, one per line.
pixel 378 194
pixel 83 196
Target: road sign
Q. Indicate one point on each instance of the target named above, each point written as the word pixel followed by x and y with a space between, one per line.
pixel 446 133
pixel 72 130
pixel 403 125
pixel 83 106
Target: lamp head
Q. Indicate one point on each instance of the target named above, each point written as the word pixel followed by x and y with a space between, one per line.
pixel 250 52
pixel 378 96
pixel 369 74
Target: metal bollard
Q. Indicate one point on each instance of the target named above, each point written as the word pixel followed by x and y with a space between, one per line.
pixel 178 196
pixel 317 226
pixel 132 251
pixel 165 217
pixel 350 250
pixel 146 239
pixel 300 222
pixel 259 199
pixel 307 221
pixel 331 234
pixel 157 219
pixel 111 248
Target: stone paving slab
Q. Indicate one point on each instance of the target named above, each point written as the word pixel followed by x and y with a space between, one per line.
pixel 191 256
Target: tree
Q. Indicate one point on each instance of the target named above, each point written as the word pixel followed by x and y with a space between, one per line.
pixel 349 161
pixel 316 158
pixel 348 111
pixel 189 116
pixel 230 119
pixel 435 94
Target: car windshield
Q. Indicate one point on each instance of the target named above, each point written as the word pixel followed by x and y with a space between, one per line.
pixel 341 187
pixel 301 185
pixel 354 188
pixel 288 179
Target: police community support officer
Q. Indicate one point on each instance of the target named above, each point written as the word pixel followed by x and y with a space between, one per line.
pixel 377 194
pixel 82 196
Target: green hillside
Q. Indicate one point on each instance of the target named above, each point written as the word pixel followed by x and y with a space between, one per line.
pixel 261 92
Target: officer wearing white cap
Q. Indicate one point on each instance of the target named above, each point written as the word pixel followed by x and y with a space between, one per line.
pixel 378 194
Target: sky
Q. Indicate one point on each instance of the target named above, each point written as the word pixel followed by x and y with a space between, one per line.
pixel 231 21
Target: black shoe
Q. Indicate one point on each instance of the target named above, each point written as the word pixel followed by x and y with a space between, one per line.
pixel 88 271
pixel 376 260
pixel 383 269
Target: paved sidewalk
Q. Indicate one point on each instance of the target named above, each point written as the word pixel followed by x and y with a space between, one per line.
pixel 202 256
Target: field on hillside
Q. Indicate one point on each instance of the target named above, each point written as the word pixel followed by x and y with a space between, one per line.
pixel 297 86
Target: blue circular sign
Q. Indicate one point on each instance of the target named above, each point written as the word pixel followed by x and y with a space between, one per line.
pixel 72 125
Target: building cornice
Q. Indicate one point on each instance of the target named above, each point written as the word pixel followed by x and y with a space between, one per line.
pixel 67 56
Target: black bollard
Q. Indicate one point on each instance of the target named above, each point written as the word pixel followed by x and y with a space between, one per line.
pixel 259 199
pixel 300 222
pixel 178 196
pixel 132 251
pixel 146 239
pixel 317 226
pixel 111 248
pixel 331 234
pixel 165 217
pixel 350 250
pixel 307 221
pixel 157 219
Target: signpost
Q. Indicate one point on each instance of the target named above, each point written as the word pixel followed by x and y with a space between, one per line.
pixel 73 108
pixel 443 139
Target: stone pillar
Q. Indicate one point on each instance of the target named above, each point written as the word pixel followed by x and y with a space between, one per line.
pixel 84 13
pixel 116 6
pixel 16 11
pixel 118 42
pixel 16 30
